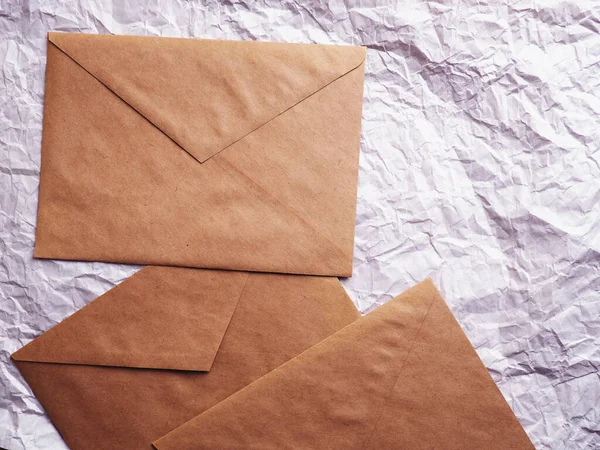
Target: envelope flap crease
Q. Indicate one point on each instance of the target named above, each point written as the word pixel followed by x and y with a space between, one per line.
pixel 446 394
pixel 205 94
pixel 404 376
pixel 328 397
pixel 151 320
pixel 114 188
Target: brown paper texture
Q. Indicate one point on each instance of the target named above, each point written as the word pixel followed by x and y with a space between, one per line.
pixel 479 139
pixel 99 396
pixel 199 153
pixel 403 377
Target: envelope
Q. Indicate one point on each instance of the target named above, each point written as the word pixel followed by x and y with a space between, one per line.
pixel 403 377
pixel 168 343
pixel 200 153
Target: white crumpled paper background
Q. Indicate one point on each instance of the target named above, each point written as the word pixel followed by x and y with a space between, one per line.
pixel 480 167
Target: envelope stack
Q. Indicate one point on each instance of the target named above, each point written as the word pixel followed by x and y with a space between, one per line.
pixel 230 169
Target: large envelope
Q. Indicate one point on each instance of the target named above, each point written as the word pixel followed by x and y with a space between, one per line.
pixel 403 377
pixel 167 344
pixel 200 153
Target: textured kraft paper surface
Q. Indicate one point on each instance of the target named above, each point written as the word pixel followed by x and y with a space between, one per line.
pixel 402 377
pixel 478 167
pixel 232 155
pixel 126 380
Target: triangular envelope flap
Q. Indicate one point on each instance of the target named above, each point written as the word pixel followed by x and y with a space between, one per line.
pixel 108 408
pixel 207 94
pixel 391 380
pixel 446 397
pixel 160 318
pixel 328 397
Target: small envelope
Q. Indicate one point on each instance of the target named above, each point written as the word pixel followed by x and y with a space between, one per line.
pixel 167 344
pixel 403 377
pixel 200 153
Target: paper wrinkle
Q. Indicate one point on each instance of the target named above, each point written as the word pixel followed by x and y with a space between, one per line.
pixel 479 167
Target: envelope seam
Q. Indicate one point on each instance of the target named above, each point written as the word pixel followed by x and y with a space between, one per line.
pixel 52 330
pixel 248 386
pixel 172 138
pixel 297 357
pixel 291 210
pixel 343 254
pixel 285 110
pixel 175 404
pixel 123 100
pixel 237 304
pixel 284 206
pixel 385 404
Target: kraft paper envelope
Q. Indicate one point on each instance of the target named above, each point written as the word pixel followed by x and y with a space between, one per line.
pixel 200 153
pixel 168 343
pixel 403 377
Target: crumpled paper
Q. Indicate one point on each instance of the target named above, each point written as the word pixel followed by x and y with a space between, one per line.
pixel 480 167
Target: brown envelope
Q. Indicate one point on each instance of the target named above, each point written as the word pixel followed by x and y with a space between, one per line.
pixel 128 368
pixel 403 377
pixel 200 153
